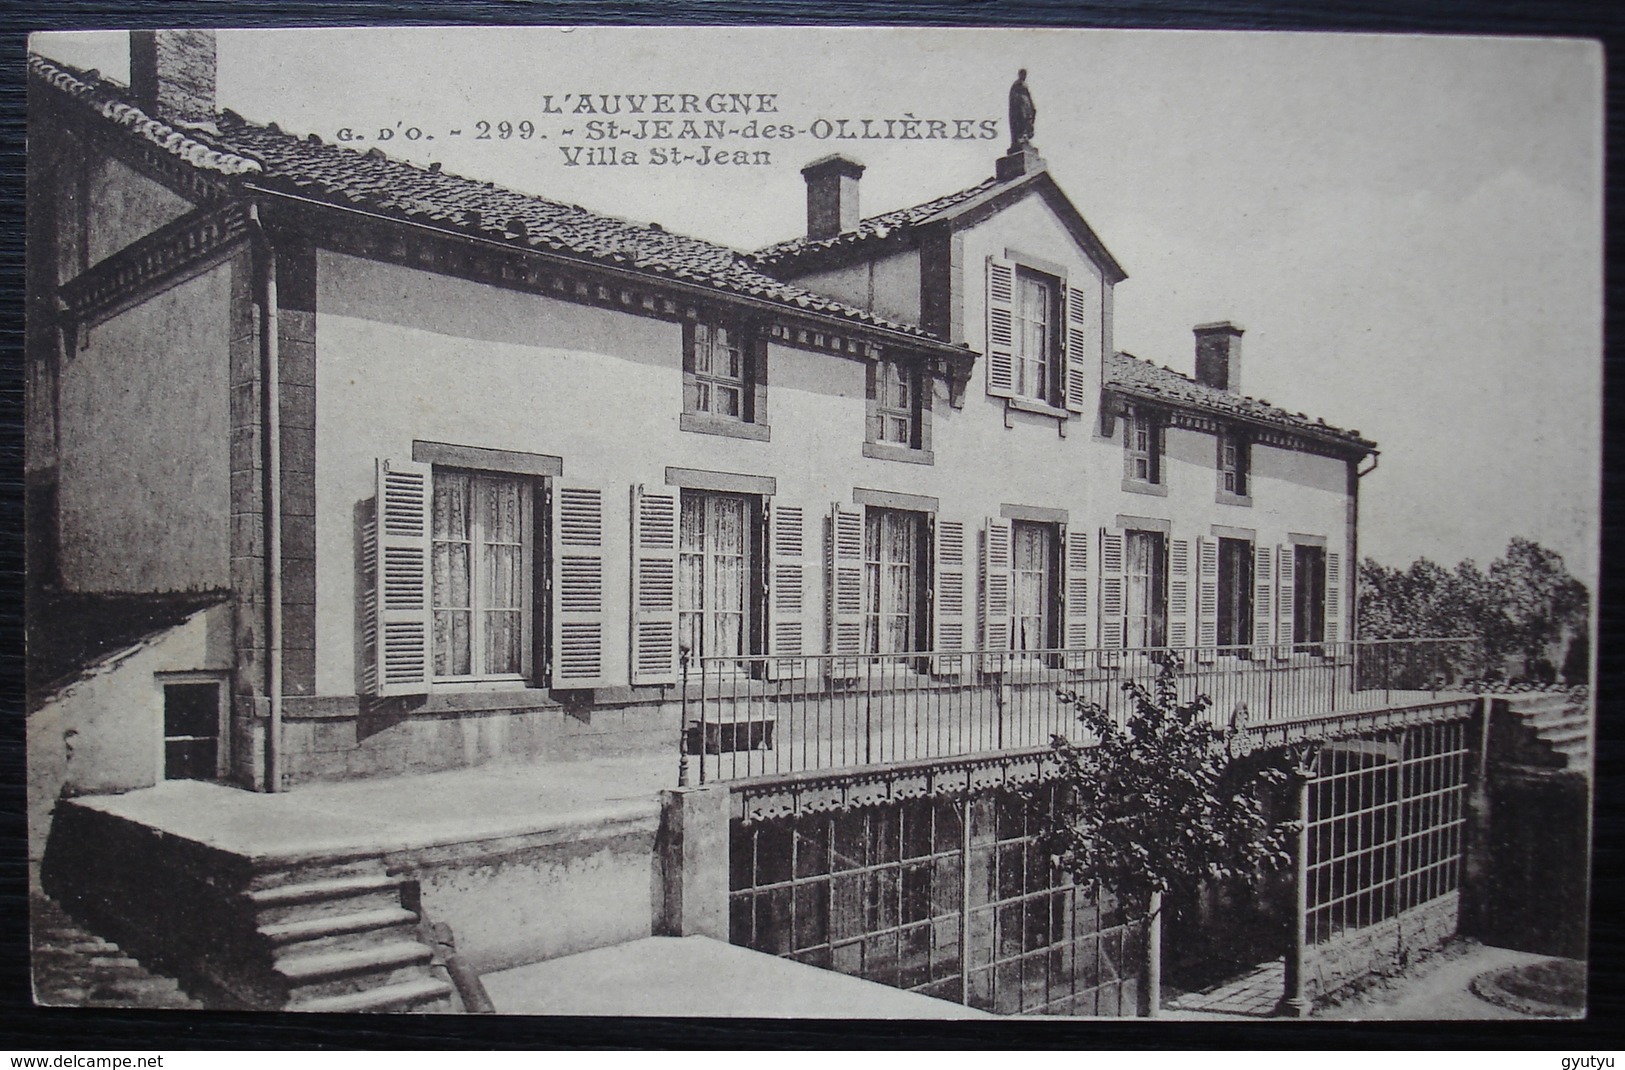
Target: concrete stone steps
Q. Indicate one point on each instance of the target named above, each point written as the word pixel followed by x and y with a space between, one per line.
pixel 1551 729
pixel 313 872
pixel 299 901
pixel 1531 701
pixel 1558 735
pixel 401 996
pixel 353 970
pixel 311 891
pixel 336 925
pixel 339 932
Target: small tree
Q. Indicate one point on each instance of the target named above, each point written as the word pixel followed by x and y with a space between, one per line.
pixel 1164 804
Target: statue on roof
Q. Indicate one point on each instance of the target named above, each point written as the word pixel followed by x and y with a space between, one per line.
pixel 1022 112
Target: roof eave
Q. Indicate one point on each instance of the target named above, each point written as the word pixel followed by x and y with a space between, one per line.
pixel 956 355
pixel 1342 442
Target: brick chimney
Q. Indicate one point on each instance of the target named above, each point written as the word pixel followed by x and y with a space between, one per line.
pixel 172 73
pixel 1218 356
pixel 832 195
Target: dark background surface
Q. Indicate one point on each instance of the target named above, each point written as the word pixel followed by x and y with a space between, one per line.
pixel 24 1027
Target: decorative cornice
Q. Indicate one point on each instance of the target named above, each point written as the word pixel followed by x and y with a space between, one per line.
pixel 765 798
pixel 192 240
pixel 478 259
pixel 1190 416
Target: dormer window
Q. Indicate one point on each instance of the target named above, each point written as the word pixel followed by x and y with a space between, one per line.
pixel 1043 334
pixel 1036 332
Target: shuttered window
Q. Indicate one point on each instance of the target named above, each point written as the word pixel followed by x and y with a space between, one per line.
pixel 949 609
pixel 654 586
pixel 1235 592
pixel 1042 335
pixel 1145 589
pixel 481 576
pixel 1309 594
pixel 1035 335
pixel 894 580
pixel 714 569
pixel 1334 598
pixel 1033 585
pixel 396 640
pixel 788 597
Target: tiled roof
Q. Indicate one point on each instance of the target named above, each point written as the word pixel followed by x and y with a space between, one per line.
pixel 876 227
pixel 102 97
pixel 276 160
pixel 72 635
pixel 1130 375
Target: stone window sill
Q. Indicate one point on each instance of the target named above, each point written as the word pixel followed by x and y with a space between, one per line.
pixel 703 424
pixel 1224 497
pixel 1041 408
pixel 890 451
pixel 1140 486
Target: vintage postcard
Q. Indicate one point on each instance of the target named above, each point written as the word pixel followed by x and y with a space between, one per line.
pixel 822 523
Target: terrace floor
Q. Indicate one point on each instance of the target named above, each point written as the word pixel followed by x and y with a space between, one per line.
pixel 397 813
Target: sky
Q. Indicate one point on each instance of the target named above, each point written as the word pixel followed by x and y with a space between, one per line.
pixel 1409 229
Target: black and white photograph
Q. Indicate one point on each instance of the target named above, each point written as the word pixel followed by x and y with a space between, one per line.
pixel 813 523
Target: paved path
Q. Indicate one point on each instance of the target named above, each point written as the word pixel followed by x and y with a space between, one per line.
pixel 1252 995
pixel 75 968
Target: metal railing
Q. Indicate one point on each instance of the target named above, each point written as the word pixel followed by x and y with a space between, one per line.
pixel 768 716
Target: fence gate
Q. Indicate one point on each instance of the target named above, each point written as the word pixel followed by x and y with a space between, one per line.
pixel 946 896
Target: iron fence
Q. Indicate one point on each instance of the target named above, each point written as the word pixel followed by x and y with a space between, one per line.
pixel 766 716
pixel 1387 816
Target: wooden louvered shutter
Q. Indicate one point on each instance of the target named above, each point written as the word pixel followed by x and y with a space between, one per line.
pixel 1075 367
pixel 1075 632
pixel 400 562
pixel 1179 595
pixel 845 588
pixel 1001 359
pixel 654 586
pixel 948 596
pixel 996 580
pixel 1207 599
pixel 1263 598
pixel 578 589
pixel 1334 598
pixel 1284 578
pixel 1111 593
pixel 787 591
